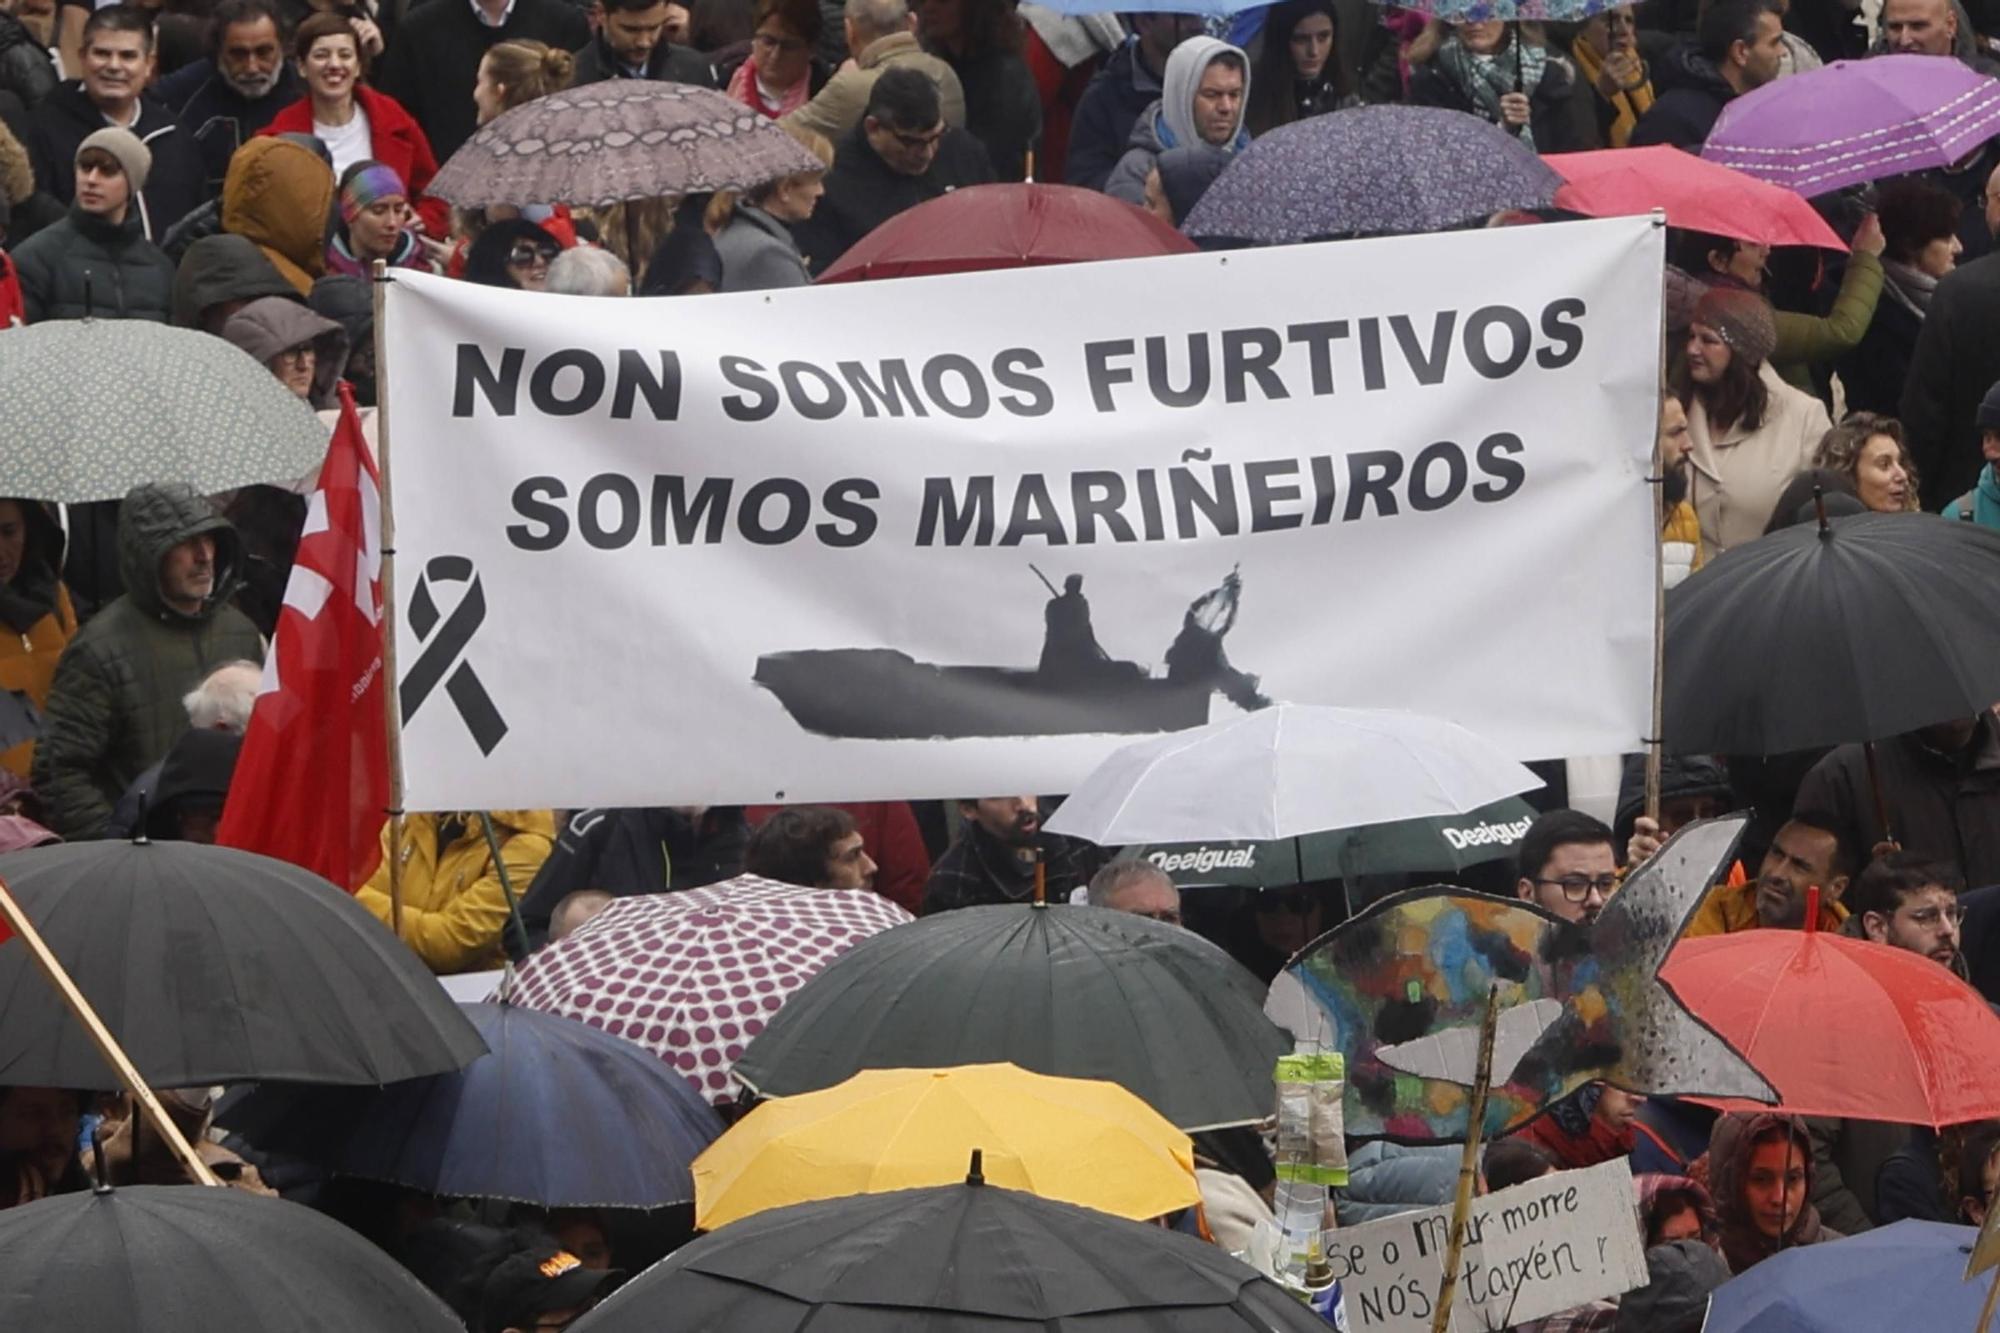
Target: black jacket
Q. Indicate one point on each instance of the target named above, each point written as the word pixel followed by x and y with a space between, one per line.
pixel 1551 107
pixel 668 64
pixel 25 68
pixel 84 265
pixel 634 851
pixel 217 118
pixel 220 268
pixel 862 192
pixel 1692 94
pixel 1875 371
pixel 432 64
pixel 174 185
pixel 1956 360
pixel 1941 807
pixel 978 870
pixel 1003 108
pixel 1105 114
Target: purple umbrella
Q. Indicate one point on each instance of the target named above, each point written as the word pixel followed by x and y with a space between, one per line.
pixel 1856 121
pixel 1371 170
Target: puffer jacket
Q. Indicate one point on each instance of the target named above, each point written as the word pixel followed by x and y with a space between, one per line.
pixel 454 908
pixel 25 67
pixel 85 265
pixel 36 621
pixel 280 195
pixel 115 708
pixel 1384 1179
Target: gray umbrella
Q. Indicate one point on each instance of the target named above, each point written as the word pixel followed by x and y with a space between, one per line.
pixel 1371 170
pixel 621 139
pixel 90 408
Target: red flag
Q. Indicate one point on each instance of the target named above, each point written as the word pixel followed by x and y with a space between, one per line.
pixel 312 780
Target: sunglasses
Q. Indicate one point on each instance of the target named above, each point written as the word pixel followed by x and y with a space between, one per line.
pixel 525 253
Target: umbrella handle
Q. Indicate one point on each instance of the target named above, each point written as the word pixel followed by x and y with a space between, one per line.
pixel 100 1036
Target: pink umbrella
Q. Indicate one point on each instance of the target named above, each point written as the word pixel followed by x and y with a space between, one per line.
pixel 693 976
pixel 1856 121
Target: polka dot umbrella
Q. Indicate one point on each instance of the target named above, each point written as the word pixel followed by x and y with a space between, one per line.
pixel 693 976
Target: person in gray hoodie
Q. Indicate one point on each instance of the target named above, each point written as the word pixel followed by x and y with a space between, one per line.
pixel 1201 101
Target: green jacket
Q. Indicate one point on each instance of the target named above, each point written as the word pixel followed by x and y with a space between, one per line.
pixel 116 705
pixel 1807 340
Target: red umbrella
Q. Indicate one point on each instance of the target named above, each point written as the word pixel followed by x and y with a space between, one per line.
pixel 1006 226
pixel 1699 195
pixel 1845 1027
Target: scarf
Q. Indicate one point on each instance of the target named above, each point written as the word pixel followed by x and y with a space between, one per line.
pixel 1573 1135
pixel 744 88
pixel 1912 287
pixel 1626 106
pixel 1484 79
pixel 1743 1244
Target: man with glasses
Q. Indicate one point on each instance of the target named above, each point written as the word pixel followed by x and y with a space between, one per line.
pixel 1138 887
pixel 900 155
pixel 1568 866
pixel 1907 903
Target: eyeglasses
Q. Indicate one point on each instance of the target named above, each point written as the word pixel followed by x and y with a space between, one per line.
pixel 1576 888
pixel 918 143
pixel 301 354
pixel 527 252
pixel 765 41
pixel 1927 917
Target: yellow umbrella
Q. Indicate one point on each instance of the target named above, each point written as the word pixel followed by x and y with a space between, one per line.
pixel 1075 1140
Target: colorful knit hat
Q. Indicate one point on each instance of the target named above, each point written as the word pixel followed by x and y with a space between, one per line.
pixel 366 183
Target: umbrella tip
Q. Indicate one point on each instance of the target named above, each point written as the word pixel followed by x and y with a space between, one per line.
pixel 103 1185
pixel 1819 508
pixel 1812 909
pixel 974 1174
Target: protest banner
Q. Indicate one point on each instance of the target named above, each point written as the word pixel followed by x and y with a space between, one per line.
pixel 1530 1251
pixel 964 535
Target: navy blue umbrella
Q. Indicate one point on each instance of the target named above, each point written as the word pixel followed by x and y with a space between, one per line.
pixel 559 1114
pixel 1368 171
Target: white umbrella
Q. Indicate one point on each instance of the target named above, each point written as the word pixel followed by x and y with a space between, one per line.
pixel 1288 770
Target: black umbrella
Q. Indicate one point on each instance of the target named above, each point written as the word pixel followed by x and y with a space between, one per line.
pixel 969 1258
pixel 211 965
pixel 162 1258
pixel 1824 633
pixel 1077 992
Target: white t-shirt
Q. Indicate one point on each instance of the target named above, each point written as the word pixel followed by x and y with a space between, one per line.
pixel 349 143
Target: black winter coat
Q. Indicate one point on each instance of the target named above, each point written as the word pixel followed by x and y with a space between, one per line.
pixel 433 62
pixel 67 117
pixel 1003 108
pixel 1111 104
pixel 1875 371
pixel 84 265
pixel 25 68
pixel 669 64
pixel 1956 360
pixel 862 192
pixel 1941 807
pixel 1551 107
pixel 1691 96
pixel 116 705
pixel 217 118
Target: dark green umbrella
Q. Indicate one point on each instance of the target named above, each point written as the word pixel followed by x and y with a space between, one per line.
pixel 1441 843
pixel 163 1258
pixel 1075 992
pixel 971 1258
pixel 211 965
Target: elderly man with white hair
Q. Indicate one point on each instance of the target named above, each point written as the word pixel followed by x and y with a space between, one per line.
pixel 1138 887
pixel 222 702
pixel 585 270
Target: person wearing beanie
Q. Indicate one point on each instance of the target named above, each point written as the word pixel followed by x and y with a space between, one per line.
pixel 1981 504
pixel 1750 432
pixel 97 261
pixel 1201 102
pixel 375 220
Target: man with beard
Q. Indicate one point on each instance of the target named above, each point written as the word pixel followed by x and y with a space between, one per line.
pixel 993 859
pixel 1906 902
pixel 1568 866
pixel 224 100
pixel 1807 852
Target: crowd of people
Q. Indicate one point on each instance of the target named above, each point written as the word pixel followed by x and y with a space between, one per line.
pixel 237 166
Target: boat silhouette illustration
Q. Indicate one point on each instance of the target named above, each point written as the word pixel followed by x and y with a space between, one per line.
pixel 1076 689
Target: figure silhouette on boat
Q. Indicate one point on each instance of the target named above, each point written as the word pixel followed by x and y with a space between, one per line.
pixel 1076 688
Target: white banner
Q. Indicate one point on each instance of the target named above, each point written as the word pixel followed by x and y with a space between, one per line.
pixel 1530 1251
pixel 960 536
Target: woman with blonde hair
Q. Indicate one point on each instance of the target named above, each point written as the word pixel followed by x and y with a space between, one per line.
pixel 1868 450
pixel 753 230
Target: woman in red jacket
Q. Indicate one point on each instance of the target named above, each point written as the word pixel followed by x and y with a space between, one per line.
pixel 355 122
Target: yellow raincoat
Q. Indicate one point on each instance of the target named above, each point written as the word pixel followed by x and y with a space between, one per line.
pixel 453 906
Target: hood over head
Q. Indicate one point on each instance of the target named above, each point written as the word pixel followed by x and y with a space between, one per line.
pixel 221 268
pixel 195 773
pixel 29 593
pixel 1730 1146
pixel 280 195
pixel 155 518
pixel 348 302
pixel 1189 61
pixel 270 324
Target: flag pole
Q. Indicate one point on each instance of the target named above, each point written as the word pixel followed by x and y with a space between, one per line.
pixel 1656 738
pixel 392 704
pixel 100 1036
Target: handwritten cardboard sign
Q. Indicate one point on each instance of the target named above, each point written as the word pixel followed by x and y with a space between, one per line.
pixel 1530 1251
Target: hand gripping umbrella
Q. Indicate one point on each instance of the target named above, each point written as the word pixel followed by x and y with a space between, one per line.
pixel 1076 992
pixel 971 1258
pixel 148 1258
pixel 211 965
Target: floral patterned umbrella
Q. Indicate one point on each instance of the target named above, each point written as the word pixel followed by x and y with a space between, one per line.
pixel 90 408
pixel 620 139
pixel 1369 171
pixel 693 976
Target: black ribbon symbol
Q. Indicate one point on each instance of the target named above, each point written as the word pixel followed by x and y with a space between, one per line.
pixel 444 649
